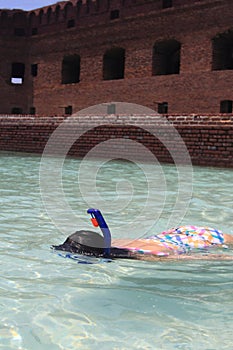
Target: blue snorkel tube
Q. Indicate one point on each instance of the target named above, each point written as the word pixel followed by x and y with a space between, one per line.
pixel 98 220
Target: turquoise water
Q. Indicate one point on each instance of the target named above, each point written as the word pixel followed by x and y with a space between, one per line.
pixel 48 302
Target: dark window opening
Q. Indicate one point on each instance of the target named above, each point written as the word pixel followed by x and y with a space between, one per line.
pixel 57 13
pixel 68 10
pixel 226 106
pixel 17 73
pixel 32 19
pixel 71 23
pixel 87 6
pixel 32 111
pixel 41 15
pixel 167 3
pixel 111 109
pixel 163 107
pixel 34 70
pixel 19 31
pixel 79 6
pixel 4 17
pixel 114 14
pixel 71 69
pixel 97 5
pixel 68 110
pixel 16 110
pixel 34 31
pixel 49 14
pixel 114 64
pixel 222 46
pixel 166 58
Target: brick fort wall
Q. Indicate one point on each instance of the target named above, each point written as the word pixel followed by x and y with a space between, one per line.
pixel 89 29
pixel 209 139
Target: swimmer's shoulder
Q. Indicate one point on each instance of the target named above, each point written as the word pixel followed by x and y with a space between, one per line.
pixel 228 238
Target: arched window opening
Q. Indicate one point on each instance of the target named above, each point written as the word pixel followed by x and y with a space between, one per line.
pixel 97 5
pixel 78 7
pixel 19 18
pixel 114 64
pixel 17 73
pixel 166 58
pixel 57 13
pixel 49 14
pixel 88 6
pixel 19 23
pixel 222 46
pixel 71 69
pixel 41 15
pixel 4 17
pixel 32 19
pixel 33 23
pixel 68 10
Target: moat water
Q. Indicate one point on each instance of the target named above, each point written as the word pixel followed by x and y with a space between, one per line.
pixel 48 302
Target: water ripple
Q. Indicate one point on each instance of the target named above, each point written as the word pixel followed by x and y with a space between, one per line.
pixel 47 302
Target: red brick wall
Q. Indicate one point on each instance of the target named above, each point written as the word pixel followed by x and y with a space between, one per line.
pixel 197 89
pixel 13 49
pixel 209 139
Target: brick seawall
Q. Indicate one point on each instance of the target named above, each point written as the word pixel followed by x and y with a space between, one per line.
pixel 209 139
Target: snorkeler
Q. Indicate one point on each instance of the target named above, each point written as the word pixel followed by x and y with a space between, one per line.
pixel 174 243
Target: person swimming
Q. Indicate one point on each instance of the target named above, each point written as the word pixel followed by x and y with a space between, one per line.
pixel 173 243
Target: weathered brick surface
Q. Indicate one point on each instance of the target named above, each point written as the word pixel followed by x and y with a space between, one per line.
pixel 209 139
pixel 197 89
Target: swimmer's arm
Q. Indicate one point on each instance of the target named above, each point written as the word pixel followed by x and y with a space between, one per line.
pixel 146 245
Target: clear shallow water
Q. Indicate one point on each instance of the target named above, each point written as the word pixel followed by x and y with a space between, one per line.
pixel 47 302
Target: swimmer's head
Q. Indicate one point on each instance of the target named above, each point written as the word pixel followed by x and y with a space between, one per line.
pixel 92 244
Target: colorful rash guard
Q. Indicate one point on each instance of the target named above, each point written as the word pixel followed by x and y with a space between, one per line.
pixel 185 238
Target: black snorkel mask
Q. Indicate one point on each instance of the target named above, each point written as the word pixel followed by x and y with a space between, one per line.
pixel 92 244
